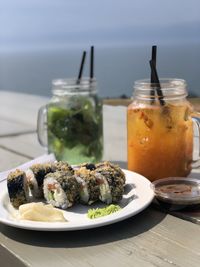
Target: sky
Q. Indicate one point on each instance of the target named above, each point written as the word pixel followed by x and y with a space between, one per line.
pixel 33 24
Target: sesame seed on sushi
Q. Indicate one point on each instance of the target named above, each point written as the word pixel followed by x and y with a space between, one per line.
pixel 61 189
pixel 63 166
pixel 17 188
pixel 89 186
pixel 113 181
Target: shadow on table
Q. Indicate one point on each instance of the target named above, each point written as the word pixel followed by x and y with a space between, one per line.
pixel 131 227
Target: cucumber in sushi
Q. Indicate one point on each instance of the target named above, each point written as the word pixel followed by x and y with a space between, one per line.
pixel 61 189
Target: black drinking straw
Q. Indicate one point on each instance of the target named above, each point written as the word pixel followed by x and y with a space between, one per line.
pixel 91 62
pixel 157 82
pixel 153 58
pixel 81 67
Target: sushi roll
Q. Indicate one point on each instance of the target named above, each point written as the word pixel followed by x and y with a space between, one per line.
pixel 111 180
pixel 61 189
pixel 17 188
pixel 88 166
pixel 89 186
pixel 35 176
pixel 63 166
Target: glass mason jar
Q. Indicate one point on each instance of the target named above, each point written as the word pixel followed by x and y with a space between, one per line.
pixel 160 130
pixel 74 121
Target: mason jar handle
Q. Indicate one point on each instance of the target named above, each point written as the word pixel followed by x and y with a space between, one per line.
pixel 42 126
pixel 196 120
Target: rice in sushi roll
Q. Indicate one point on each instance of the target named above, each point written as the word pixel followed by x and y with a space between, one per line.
pixel 35 176
pixel 17 188
pixel 112 181
pixel 89 186
pixel 61 189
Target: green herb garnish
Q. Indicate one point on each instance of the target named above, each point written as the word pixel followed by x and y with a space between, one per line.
pixel 75 130
pixel 100 212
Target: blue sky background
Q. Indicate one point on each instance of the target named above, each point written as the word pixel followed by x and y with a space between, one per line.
pixel 38 24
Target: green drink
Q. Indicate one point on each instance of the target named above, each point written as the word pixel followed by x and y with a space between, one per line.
pixel 74 122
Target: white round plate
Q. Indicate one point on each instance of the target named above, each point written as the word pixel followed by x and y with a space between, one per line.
pixel 138 195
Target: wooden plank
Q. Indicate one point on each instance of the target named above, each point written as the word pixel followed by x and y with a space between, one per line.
pixel 9 260
pixel 26 144
pixel 9 128
pixel 10 160
pixel 148 239
pixel 22 108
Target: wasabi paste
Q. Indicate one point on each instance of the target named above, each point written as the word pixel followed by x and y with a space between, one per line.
pixel 100 212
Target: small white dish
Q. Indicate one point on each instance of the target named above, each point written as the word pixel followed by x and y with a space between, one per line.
pixel 177 190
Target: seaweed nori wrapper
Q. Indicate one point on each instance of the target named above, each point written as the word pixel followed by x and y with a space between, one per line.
pixel 40 170
pixel 16 188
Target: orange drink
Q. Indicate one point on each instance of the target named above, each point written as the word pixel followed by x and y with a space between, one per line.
pixel 160 137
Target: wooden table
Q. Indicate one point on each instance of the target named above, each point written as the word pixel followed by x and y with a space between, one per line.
pixel 151 238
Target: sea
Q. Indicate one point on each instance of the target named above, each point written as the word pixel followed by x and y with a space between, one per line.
pixel 31 71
